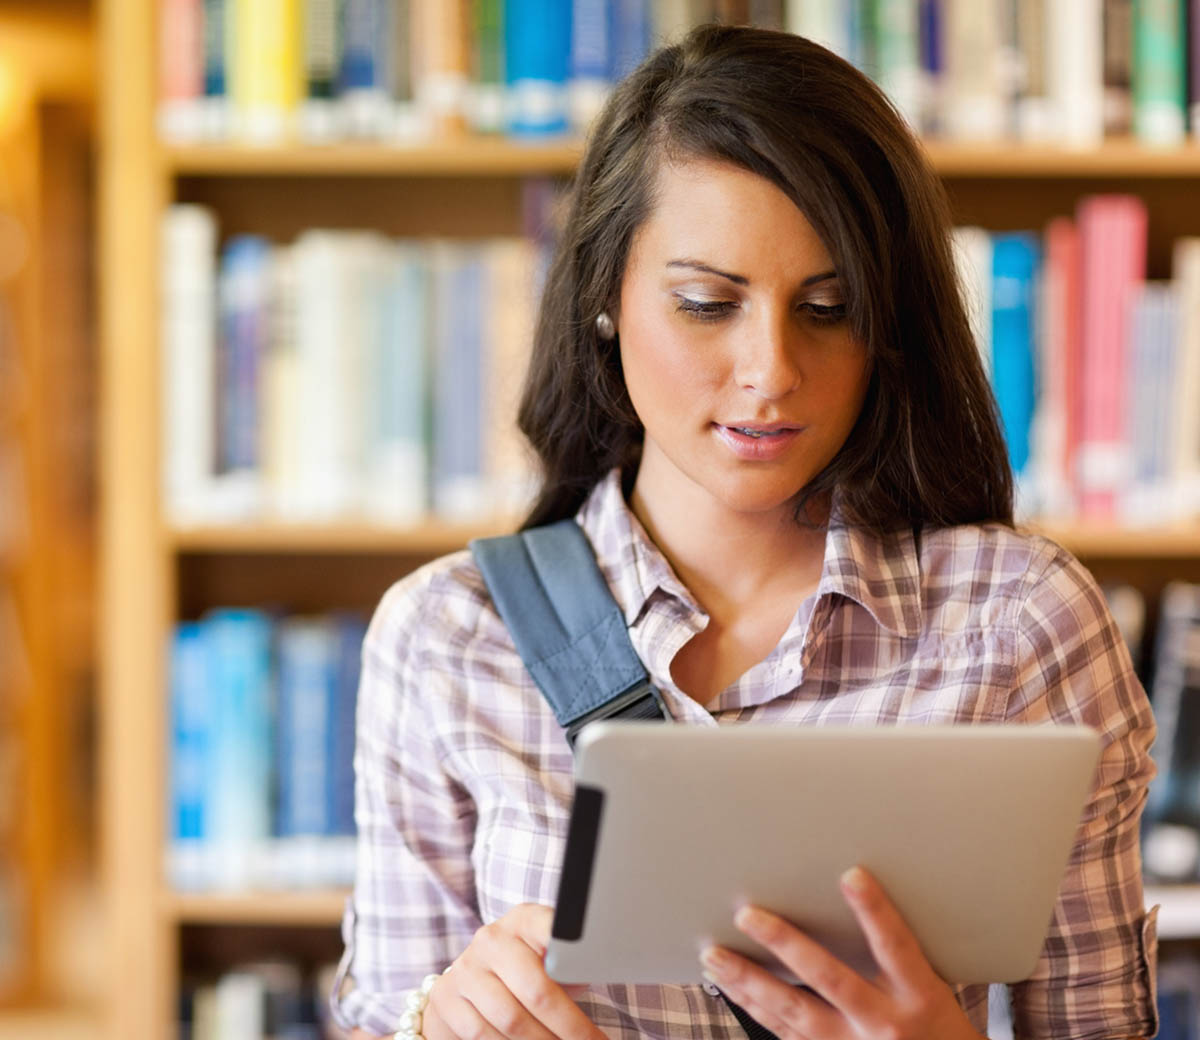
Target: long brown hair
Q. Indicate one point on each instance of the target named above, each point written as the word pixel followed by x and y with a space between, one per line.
pixel 927 447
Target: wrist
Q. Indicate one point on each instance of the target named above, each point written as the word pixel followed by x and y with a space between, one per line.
pixel 414 1010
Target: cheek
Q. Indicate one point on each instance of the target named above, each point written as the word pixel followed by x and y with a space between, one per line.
pixel 663 367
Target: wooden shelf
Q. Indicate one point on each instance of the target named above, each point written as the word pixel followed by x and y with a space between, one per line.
pixel 299 908
pixel 426 538
pixel 1110 541
pixel 468 156
pixel 498 156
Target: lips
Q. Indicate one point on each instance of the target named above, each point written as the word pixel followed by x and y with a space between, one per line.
pixel 756 441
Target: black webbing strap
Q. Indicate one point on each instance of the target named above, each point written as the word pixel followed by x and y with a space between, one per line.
pixel 755 1030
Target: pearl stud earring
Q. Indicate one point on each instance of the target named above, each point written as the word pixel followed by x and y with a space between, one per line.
pixel 605 328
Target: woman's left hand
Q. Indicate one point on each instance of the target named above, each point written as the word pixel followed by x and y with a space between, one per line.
pixel 907 1000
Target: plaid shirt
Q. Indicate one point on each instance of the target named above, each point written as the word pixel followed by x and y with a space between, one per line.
pixel 464 778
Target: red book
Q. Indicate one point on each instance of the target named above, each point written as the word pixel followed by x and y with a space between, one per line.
pixel 181 67
pixel 1062 396
pixel 1112 231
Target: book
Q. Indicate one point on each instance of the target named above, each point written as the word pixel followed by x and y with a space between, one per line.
pixel 440 52
pixel 537 43
pixel 973 261
pixel 188 280
pixel 398 438
pixel 1033 115
pixel 898 57
pixel 1015 258
pixel 181 70
pixel 1113 234
pixel 1118 67
pixel 974 90
pixel 218 32
pixel 592 61
pixel 239 670
pixel 321 49
pixel 485 97
pixel 630 35
pixel 190 760
pixel 363 78
pixel 1185 269
pixel 265 68
pixel 1075 71
pixel 1159 72
pixel 1153 363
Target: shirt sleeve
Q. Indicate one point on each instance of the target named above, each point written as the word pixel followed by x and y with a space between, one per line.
pixel 413 909
pixel 1095 978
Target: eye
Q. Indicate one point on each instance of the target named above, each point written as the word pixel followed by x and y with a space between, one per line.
pixel 704 310
pixel 825 313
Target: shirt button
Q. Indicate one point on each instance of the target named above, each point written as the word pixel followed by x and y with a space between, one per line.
pixel 711 990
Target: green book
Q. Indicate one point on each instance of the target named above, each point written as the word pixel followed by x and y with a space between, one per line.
pixel 1159 71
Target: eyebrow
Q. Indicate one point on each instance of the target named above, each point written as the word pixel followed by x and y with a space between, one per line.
pixel 739 279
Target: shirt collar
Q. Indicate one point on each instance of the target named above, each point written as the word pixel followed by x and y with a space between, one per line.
pixel 879 572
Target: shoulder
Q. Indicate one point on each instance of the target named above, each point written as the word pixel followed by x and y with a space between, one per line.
pixel 1011 577
pixel 436 607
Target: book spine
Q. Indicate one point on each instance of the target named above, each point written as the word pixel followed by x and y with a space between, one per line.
pixel 266 68
pixel 189 759
pixel 1193 65
pixel 1075 72
pixel 899 59
pixel 823 22
pixel 217 35
pixel 630 34
pixel 398 441
pixel 930 38
pixel 351 631
pixel 1118 67
pixel 240 781
pixel 1014 268
pixel 440 77
pixel 592 61
pixel 1152 352
pixel 181 69
pixel 537 45
pixel 973 260
pixel 363 73
pixel 1033 112
pixel 189 304
pixel 322 49
pixel 767 14
pixel 974 94
pixel 1159 73
pixel 243 295
pixel 307 679
pixel 1113 236
pixel 486 97
pixel 281 420
pixel 459 478
pixel 1186 433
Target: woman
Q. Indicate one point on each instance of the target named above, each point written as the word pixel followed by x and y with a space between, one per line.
pixel 754 385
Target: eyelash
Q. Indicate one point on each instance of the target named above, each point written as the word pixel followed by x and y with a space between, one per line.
pixel 715 310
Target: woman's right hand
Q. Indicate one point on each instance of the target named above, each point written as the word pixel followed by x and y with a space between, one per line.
pixel 498 987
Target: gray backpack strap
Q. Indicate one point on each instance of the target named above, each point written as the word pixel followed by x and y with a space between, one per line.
pixel 566 625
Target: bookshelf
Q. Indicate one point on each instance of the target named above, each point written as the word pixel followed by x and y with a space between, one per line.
pixel 153 573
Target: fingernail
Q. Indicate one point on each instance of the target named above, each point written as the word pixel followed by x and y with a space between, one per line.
pixel 854 880
pixel 715 960
pixel 750 919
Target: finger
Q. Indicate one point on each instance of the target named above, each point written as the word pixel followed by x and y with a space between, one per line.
pixel 752 986
pixel 455 1017
pixel 813 965
pixel 497 1005
pixel 892 942
pixel 532 923
pixel 518 965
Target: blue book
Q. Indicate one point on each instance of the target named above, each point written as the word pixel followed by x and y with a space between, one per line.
pixel 630 32
pixel 459 480
pixel 351 630
pixel 240 676
pixel 307 687
pixel 215 106
pixel 189 759
pixel 1014 269
pixel 591 65
pixel 1153 347
pixel 364 74
pixel 243 295
pixel 537 48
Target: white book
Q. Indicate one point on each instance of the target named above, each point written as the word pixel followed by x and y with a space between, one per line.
pixel 282 463
pixel 975 94
pixel 822 21
pixel 1075 70
pixel 398 382
pixel 240 1006
pixel 973 258
pixel 1185 437
pixel 1034 111
pixel 188 311
pixel 899 57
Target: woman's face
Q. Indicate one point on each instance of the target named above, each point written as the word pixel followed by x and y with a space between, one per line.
pixel 736 350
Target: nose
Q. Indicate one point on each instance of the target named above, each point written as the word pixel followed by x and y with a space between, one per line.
pixel 766 358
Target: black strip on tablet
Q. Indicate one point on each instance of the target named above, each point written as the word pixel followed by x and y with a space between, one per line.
pixel 583 832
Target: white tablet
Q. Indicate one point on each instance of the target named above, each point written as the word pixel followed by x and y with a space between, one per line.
pixel 675 827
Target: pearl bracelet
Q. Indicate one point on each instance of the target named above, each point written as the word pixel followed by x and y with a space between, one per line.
pixel 414 1009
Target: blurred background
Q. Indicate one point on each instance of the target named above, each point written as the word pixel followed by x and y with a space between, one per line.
pixel 268 275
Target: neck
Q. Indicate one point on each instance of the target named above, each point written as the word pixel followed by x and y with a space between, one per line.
pixel 728 559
